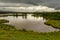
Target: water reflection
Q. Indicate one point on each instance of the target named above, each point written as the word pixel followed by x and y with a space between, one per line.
pixel 29 22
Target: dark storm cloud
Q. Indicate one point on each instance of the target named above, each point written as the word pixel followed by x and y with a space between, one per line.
pixel 23 1
pixel 33 2
pixel 50 3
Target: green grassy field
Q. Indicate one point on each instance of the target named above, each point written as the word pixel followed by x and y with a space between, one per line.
pixel 54 23
pixel 21 35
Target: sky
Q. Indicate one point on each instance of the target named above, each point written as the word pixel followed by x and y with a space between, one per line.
pixel 29 5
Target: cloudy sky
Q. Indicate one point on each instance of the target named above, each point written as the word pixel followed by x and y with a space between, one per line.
pixel 29 5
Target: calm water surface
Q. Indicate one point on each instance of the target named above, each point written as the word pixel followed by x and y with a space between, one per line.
pixel 29 23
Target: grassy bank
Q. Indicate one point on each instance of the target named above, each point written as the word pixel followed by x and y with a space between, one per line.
pixel 3 21
pixel 54 23
pixel 8 32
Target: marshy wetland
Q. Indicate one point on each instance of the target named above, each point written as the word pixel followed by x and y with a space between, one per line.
pixel 34 26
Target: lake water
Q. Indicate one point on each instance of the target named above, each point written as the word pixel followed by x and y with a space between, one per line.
pixel 29 22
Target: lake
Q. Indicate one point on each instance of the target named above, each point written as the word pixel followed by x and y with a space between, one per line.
pixel 29 22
